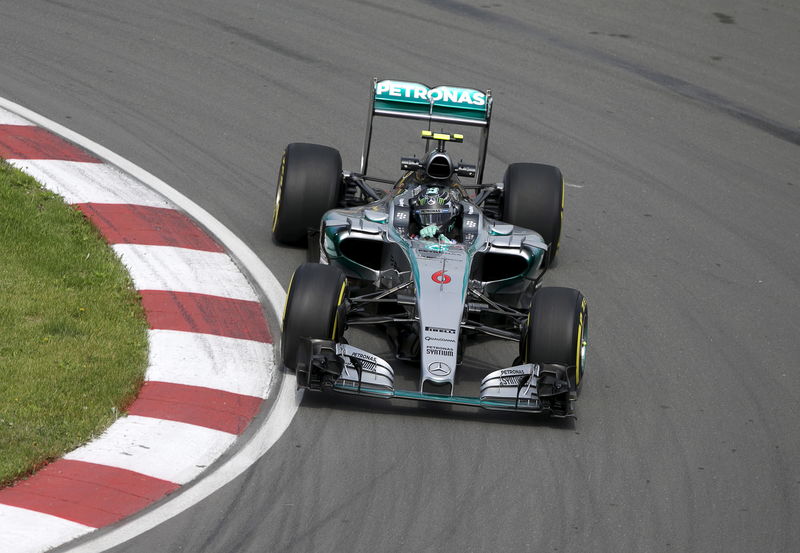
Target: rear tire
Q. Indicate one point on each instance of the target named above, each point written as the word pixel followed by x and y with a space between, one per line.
pixel 309 184
pixel 314 308
pixel 557 331
pixel 533 198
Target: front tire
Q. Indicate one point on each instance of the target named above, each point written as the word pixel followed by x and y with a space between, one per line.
pixel 557 331
pixel 314 308
pixel 533 198
pixel 309 184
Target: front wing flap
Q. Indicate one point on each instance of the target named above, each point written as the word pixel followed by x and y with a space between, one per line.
pixel 324 365
pixel 529 387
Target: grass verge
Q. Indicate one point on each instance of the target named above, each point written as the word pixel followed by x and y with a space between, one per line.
pixel 73 335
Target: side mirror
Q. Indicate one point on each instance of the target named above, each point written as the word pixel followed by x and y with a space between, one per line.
pixel 410 164
pixel 464 170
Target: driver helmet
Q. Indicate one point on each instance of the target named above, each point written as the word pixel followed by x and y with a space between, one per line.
pixel 434 205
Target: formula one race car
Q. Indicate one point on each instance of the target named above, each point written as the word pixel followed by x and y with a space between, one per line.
pixel 434 262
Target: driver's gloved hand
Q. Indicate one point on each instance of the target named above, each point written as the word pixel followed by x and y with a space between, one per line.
pixel 429 231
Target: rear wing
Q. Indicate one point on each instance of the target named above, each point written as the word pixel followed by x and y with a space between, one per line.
pixel 442 104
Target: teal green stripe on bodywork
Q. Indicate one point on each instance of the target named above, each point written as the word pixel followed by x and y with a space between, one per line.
pixel 422 396
pixel 434 398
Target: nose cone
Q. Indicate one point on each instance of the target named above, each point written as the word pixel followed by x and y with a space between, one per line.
pixel 441 290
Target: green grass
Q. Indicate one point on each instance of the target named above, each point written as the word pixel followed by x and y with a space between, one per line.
pixel 73 335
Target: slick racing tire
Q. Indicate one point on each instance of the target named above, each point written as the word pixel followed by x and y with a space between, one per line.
pixel 557 331
pixel 314 308
pixel 309 184
pixel 533 198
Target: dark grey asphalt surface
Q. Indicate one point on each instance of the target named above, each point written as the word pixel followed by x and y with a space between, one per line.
pixel 677 122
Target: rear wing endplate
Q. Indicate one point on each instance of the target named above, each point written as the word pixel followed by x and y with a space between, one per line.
pixel 442 104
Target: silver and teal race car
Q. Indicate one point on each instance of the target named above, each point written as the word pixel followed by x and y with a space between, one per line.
pixel 435 263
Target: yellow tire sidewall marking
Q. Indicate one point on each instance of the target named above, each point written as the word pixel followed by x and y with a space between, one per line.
pixel 338 304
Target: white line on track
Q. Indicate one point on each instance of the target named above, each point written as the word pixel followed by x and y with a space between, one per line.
pixel 288 398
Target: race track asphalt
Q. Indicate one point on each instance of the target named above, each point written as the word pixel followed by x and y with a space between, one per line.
pixel 677 126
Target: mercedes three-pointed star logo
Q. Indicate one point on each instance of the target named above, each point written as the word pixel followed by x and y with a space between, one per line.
pixel 438 369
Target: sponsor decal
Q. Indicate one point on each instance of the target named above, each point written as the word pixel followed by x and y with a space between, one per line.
pixel 439 369
pixel 439 329
pixel 505 372
pixel 437 247
pixel 439 350
pixel 441 277
pixel 436 339
pixel 364 356
pixel 416 91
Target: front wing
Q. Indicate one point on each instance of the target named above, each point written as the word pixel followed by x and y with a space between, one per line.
pixel 324 365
